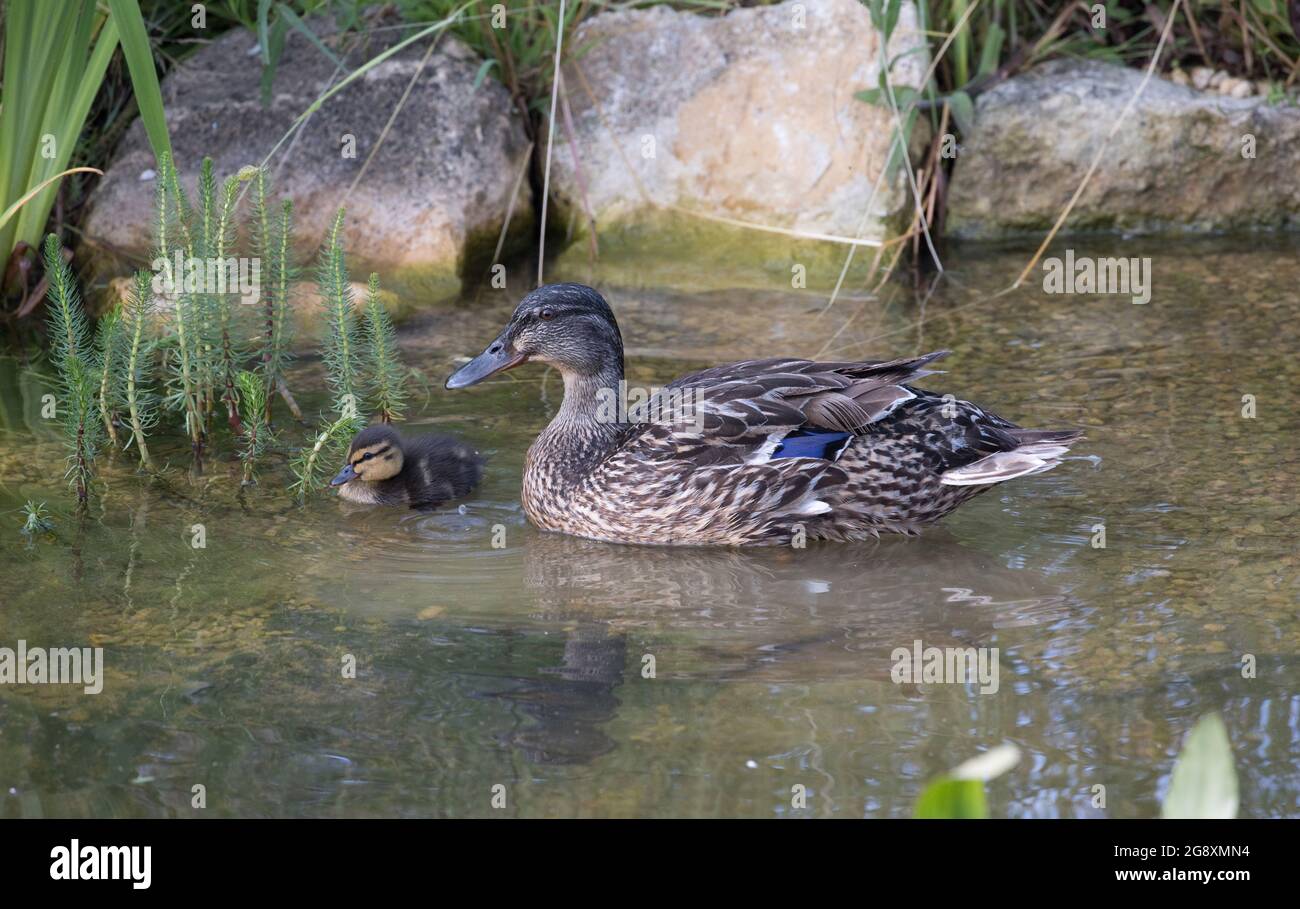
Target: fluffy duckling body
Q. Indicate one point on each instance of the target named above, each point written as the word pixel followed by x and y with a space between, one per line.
pixel 423 472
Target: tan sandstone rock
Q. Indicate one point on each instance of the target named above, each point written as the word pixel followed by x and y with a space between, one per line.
pixel 1181 161
pixel 688 124
pixel 429 206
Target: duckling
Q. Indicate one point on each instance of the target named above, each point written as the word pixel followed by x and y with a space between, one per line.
pixel 385 469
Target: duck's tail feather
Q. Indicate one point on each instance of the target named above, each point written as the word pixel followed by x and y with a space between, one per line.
pixel 1039 450
pixel 904 369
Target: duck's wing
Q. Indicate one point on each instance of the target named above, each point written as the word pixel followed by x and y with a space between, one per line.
pixel 756 411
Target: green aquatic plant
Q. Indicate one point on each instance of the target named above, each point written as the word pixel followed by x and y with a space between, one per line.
pixel 82 431
pixel 1204 782
pixel 138 364
pixel 205 304
pixel 228 354
pixel 171 234
pixel 387 378
pixel 108 351
pixel 36 519
pixel 196 246
pixel 1203 785
pixel 273 245
pixel 960 792
pixel 204 360
pixel 73 358
pixel 256 434
pixel 313 462
pixel 341 349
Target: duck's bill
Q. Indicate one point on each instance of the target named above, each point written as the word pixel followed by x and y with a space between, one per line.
pixel 497 358
pixel 347 473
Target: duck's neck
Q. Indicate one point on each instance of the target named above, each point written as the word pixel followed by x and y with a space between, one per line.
pixel 582 433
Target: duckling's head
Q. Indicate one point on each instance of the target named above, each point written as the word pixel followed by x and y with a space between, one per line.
pixel 375 455
pixel 568 326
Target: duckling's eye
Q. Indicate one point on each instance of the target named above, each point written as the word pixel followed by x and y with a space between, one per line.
pixel 367 456
pixel 546 315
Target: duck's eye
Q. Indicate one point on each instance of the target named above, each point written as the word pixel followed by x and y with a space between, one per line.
pixel 367 456
pixel 546 315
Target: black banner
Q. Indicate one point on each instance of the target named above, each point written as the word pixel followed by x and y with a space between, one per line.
pixel 333 858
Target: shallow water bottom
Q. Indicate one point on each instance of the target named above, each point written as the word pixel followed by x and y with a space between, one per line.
pixel 596 680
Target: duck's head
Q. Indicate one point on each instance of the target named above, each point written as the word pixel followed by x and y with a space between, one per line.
pixel 375 454
pixel 568 326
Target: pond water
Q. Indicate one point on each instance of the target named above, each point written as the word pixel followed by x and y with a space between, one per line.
pixel 523 665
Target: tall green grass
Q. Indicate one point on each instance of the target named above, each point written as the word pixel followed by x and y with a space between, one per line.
pixel 55 58
pixel 1256 39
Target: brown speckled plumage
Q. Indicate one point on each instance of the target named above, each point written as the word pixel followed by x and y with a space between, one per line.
pixel 891 457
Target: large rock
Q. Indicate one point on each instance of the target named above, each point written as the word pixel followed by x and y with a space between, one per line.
pixel 749 116
pixel 432 201
pixel 1176 163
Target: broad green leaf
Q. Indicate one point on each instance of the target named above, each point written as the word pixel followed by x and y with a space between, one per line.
pixel 904 96
pixel 263 33
pixel 960 53
pixel 892 9
pixel 960 794
pixel 952 798
pixel 12 209
pixel 144 77
pixel 1204 783
pixel 991 52
pixel 963 111
pixel 482 72
pixel 65 119
pixel 276 48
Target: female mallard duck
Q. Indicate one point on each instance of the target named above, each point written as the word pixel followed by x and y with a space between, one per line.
pixel 385 469
pixel 762 450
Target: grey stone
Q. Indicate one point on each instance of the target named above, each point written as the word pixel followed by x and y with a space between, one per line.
pixel 430 205
pixel 1176 163
pixel 685 123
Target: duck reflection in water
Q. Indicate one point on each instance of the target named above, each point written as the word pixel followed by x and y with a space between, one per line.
pixel 771 616
pixel 566 705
